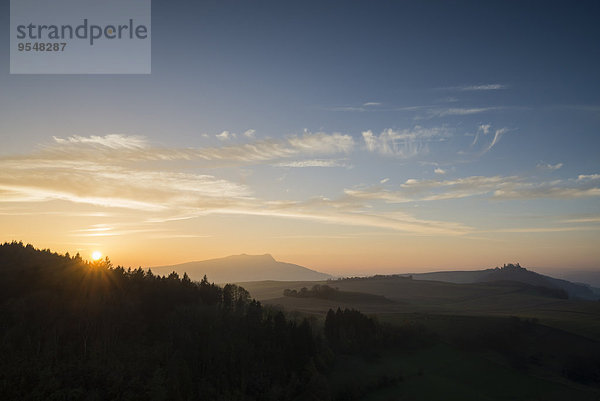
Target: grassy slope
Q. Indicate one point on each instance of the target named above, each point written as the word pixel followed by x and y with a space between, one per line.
pixel 456 367
pixel 459 313
pixel 453 368
pixel 432 297
pixel 443 372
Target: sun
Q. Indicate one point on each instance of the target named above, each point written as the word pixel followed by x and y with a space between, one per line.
pixel 96 255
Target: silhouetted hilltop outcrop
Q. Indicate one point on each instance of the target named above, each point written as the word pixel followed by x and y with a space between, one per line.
pixel 510 272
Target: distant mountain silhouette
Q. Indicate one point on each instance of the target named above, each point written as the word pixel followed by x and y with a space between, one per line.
pixel 510 272
pixel 238 268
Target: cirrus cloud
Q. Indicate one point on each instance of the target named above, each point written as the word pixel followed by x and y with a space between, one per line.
pixel 130 172
pixel 494 187
pixel 403 143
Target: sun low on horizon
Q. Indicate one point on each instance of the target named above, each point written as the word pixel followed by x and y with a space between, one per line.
pixel 395 139
pixel 96 256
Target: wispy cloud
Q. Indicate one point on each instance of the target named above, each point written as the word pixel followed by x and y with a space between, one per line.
pixel 29 212
pixel 484 87
pixel 131 173
pixel 249 133
pixel 31 193
pixel 485 128
pixel 542 229
pixel 480 145
pixel 112 232
pixel 460 111
pixel 113 141
pixel 584 220
pixel 348 108
pixel 135 228
pixel 403 143
pixel 104 171
pixel 494 187
pixel 128 172
pixel 429 190
pixel 440 171
pixel 225 136
pixel 96 228
pixel 497 135
pixel 120 149
pixel 549 167
pixel 322 143
pixel 588 177
pixel 478 87
pixel 341 212
pixel 314 163
pixel 114 186
pixel 558 189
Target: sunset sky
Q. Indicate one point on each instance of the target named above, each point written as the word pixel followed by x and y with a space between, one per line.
pixel 350 137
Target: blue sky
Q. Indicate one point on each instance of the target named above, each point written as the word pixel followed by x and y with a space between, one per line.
pixel 309 128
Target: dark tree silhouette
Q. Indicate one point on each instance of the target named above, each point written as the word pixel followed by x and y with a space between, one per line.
pixel 71 328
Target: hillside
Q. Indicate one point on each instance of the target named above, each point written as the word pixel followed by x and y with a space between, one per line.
pixel 409 296
pixel 589 277
pixel 243 268
pixel 510 272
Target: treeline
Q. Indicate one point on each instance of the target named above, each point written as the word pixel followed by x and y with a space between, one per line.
pixel 323 291
pixel 317 291
pixel 72 329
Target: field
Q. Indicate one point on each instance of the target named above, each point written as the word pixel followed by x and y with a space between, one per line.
pixel 491 341
pixel 440 298
pixel 443 372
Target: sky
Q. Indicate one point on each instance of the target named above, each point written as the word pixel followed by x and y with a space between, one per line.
pixel 351 137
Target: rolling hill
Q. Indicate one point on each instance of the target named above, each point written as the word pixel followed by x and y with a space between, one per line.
pixel 243 267
pixel 510 272
pixel 428 297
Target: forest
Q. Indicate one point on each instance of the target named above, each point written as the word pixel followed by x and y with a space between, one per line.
pixel 73 329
